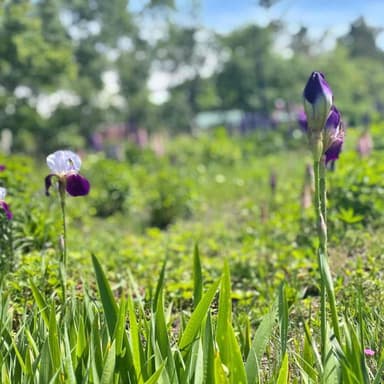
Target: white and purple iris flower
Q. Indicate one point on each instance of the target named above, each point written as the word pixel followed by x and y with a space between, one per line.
pixel 65 167
pixel 3 205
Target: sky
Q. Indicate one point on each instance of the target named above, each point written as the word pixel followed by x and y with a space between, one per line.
pixel 319 16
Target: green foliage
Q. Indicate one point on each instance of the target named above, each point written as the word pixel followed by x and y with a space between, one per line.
pixel 112 189
pixel 166 324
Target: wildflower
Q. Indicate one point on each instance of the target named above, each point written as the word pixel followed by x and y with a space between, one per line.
pixel 369 352
pixel 3 204
pixel 65 166
pixel 2 167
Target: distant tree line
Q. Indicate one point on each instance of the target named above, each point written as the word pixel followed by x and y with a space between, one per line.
pixel 57 55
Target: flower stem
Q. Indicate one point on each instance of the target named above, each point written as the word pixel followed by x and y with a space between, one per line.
pixel 63 244
pixel 322 233
pixel 325 271
pixel 326 284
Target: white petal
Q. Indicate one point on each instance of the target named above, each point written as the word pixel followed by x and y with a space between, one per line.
pixel 3 193
pixel 61 162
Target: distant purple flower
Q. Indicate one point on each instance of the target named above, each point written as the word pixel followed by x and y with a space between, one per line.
pixel 369 352
pixel 2 167
pixel 302 120
pixel 318 99
pixel 3 204
pixel 65 166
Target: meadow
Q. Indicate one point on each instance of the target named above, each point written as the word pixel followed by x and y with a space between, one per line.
pixel 198 266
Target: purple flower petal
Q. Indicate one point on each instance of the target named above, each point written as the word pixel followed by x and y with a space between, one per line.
pixel 333 152
pixel 2 167
pixel 316 88
pixel 5 207
pixel 48 183
pixel 334 119
pixel 77 185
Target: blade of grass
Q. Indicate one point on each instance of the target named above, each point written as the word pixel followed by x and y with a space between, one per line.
pixel 197 317
pixel 259 344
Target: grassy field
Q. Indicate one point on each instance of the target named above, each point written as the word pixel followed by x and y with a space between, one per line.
pixel 157 238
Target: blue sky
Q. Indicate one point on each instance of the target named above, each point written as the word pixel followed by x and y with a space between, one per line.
pixel 334 16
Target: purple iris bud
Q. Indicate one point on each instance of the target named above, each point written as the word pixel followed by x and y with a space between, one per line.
pixel 65 166
pixel 3 205
pixel 318 99
pixel 2 167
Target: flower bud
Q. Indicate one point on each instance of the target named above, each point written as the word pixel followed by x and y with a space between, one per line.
pixel 318 99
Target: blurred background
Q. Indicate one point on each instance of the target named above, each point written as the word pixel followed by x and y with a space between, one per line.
pixel 96 74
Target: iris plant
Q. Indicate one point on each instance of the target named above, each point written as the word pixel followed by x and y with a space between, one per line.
pixel 326 136
pixel 3 205
pixel 65 167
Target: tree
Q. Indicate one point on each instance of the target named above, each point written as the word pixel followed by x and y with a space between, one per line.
pixel 360 41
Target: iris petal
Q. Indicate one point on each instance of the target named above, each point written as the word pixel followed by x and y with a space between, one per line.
pixel 48 183
pixel 5 207
pixel 333 120
pixel 77 185
pixel 62 162
pixel 333 152
pixel 3 193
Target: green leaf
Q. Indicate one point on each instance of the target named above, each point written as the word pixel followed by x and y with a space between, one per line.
pixel 208 352
pixel 71 378
pixel 109 366
pixel 159 286
pixel 155 377
pixel 197 317
pixel 53 340
pixel 41 303
pixel 120 328
pixel 106 295
pixel 137 350
pixel 229 348
pixel 259 344
pixel 81 342
pixel 283 319
pixel 283 373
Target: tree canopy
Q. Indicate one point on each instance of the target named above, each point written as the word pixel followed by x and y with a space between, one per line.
pixel 70 67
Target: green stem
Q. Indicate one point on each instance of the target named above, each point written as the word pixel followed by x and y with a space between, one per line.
pixel 323 190
pixel 325 271
pixel 322 233
pixel 64 234
pixel 63 244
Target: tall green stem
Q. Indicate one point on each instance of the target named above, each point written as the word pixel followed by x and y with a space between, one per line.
pixel 63 244
pixel 324 266
pixel 322 233
pixel 326 284
pixel 323 189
